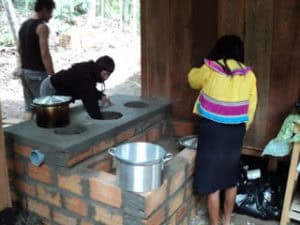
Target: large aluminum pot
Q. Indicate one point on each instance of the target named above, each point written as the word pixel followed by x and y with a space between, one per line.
pixel 52 111
pixel 140 165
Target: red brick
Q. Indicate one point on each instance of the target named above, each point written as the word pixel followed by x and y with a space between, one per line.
pixel 175 202
pixel 155 198
pixel 50 196
pixel 103 188
pixel 19 166
pixel 44 222
pixel 63 219
pixel 153 120
pixel 23 150
pixel 87 223
pixel 156 218
pixel 184 222
pixel 172 220
pixel 25 187
pixel 80 157
pixel 189 156
pixel 104 165
pixel 183 128
pixel 181 213
pixel 14 197
pixel 41 173
pixel 103 145
pixel 10 164
pixel 153 134
pixel 139 138
pixel 177 181
pixel 108 216
pixel 76 205
pixel 125 135
pixel 71 183
pixel 38 208
pixel 93 150
pixel 188 190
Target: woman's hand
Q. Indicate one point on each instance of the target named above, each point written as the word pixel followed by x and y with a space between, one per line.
pixel 106 101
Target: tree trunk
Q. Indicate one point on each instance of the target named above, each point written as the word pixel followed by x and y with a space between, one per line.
pixel 11 16
pixel 121 14
pixel 92 11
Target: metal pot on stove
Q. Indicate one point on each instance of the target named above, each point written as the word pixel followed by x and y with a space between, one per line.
pixel 140 165
pixel 52 111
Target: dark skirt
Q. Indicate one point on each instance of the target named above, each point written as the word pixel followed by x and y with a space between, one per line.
pixel 218 156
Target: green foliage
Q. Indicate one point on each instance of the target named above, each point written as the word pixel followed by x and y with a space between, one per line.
pixel 67 10
pixel 24 6
pixel 6 39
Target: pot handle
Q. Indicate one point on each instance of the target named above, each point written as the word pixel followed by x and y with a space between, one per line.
pixel 112 151
pixel 167 157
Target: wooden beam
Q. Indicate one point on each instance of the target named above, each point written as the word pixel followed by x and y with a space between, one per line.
pixel 5 198
pixel 258 50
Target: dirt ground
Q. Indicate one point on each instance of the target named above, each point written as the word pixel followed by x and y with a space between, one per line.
pixel 87 42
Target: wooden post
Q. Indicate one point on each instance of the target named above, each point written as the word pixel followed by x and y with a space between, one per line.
pixel 291 182
pixel 5 198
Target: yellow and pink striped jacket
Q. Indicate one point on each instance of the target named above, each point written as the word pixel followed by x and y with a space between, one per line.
pixel 224 98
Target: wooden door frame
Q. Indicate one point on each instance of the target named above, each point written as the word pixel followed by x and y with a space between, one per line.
pixel 5 197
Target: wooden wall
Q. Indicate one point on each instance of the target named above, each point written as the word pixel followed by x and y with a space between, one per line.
pixel 270 29
pixel 177 35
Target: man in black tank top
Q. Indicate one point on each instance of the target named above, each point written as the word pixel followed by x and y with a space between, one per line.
pixel 35 58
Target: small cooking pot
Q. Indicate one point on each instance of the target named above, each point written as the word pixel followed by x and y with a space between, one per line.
pixel 52 111
pixel 140 165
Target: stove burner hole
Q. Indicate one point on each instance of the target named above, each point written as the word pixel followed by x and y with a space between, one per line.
pixel 108 115
pixel 136 104
pixel 70 130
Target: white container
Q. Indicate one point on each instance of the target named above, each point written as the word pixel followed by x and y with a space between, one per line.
pixel 253 174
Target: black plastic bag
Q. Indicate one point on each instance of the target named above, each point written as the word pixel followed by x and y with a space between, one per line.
pixel 261 198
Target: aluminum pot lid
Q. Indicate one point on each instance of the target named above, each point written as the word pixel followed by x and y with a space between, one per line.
pixel 52 100
pixel 140 153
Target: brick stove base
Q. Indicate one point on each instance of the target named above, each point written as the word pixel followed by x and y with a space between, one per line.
pixel 85 191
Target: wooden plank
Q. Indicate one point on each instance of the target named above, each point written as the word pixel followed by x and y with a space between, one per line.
pixel 180 56
pixel 285 78
pixel 290 184
pixel 228 22
pixel 155 48
pixel 5 198
pixel 258 47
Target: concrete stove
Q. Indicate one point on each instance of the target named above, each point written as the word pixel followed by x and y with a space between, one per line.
pixel 60 145
pixel 76 184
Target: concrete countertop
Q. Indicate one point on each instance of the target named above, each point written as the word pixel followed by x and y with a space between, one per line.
pixel 46 139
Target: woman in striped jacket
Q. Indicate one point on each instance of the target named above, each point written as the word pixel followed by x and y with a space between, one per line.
pixel 226 104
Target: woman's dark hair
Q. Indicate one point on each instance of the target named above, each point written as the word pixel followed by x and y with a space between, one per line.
pixel 41 4
pixel 106 63
pixel 227 47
